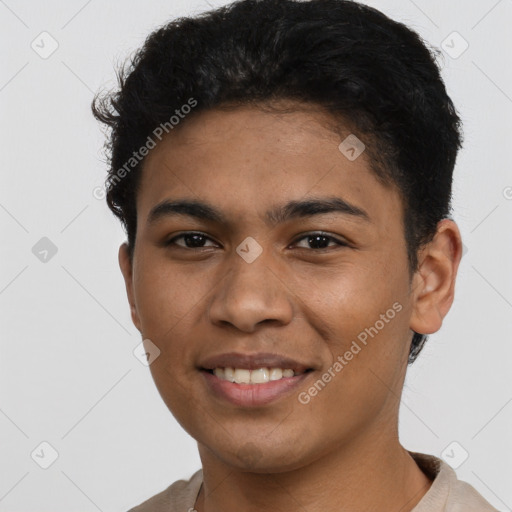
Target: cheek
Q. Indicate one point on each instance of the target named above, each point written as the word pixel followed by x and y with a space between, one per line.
pixel 176 392
pixel 169 304
pixel 346 300
pixel 362 316
pixel 365 372
pixel 166 295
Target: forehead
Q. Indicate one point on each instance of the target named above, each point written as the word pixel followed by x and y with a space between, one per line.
pixel 246 158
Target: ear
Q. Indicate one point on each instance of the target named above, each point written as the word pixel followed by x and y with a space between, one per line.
pixel 127 270
pixel 433 284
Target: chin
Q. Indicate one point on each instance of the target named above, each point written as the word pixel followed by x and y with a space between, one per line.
pixel 255 458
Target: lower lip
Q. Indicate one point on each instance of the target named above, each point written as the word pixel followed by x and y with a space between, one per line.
pixel 253 395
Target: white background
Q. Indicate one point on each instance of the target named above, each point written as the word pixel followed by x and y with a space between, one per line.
pixel 67 372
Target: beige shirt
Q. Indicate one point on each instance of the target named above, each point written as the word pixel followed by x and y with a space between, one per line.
pixel 446 494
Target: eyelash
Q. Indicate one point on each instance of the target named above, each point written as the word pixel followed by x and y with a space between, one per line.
pixel 307 235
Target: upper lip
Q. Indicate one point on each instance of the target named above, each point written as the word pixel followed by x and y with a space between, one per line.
pixel 252 361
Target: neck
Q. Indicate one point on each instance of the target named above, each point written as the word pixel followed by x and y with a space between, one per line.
pixel 360 477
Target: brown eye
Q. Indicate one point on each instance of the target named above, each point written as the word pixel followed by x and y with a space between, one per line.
pixel 192 240
pixel 320 241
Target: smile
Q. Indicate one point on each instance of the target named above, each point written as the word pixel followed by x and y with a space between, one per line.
pixel 256 388
pixel 255 376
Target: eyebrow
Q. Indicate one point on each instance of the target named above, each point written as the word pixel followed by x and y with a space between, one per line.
pixel 292 210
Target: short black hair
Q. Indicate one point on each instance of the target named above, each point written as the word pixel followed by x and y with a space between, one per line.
pixel 373 74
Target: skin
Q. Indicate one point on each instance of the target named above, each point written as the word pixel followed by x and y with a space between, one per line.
pixel 340 451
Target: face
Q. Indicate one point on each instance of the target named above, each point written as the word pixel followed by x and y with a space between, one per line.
pixel 325 287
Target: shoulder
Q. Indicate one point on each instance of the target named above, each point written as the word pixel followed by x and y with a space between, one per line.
pixel 447 493
pixel 181 495
pixel 465 498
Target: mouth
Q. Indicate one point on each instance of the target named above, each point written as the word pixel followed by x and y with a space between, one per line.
pixel 250 388
pixel 256 376
pixel 252 380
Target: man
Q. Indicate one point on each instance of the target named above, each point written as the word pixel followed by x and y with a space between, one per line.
pixel 283 170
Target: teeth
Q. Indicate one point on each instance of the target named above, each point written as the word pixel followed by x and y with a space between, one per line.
pixel 276 373
pixel 256 376
pixel 259 376
pixel 229 374
pixel 242 376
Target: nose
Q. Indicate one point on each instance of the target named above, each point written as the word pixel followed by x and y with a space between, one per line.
pixel 251 294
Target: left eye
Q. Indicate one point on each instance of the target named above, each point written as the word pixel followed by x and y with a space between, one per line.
pixel 319 238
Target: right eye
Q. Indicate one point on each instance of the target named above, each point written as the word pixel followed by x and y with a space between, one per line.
pixel 193 240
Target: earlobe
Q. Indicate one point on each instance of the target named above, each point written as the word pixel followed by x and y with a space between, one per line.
pixel 433 285
pixel 126 267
